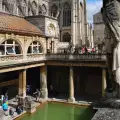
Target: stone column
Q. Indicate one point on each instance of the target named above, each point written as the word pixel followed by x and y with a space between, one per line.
pixel 104 86
pixel 22 83
pixel 71 86
pixel 43 81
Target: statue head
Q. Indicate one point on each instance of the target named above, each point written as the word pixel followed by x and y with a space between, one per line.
pixel 106 1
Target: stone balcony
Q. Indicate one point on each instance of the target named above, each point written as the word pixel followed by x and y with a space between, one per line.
pixel 19 59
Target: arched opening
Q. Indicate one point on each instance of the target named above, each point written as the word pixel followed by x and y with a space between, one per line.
pixel 44 9
pixel 54 10
pixel 66 15
pixel 66 37
pixel 10 47
pixel 35 48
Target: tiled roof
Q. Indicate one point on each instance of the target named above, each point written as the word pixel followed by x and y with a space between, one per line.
pixel 13 24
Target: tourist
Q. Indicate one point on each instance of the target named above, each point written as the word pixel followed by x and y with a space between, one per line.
pixel 83 50
pixel 51 90
pixel 37 95
pixel 86 50
pixel 2 98
pixel 21 107
pixel 6 96
pixel 11 112
pixel 4 106
pixel 18 109
pixel 28 89
pixel 93 50
pixel 17 98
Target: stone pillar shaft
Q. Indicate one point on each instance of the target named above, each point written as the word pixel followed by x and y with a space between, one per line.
pixel 43 81
pixel 22 83
pixel 71 86
pixel 104 86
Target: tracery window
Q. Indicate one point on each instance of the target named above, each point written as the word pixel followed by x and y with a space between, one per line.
pixel 40 10
pixel 66 37
pixel 66 15
pixel 54 10
pixel 10 47
pixel 19 11
pixel 35 48
pixel 44 9
pixel 4 6
pixel 22 8
pixel 34 7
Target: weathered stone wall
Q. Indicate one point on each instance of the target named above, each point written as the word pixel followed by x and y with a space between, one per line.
pixel 98 28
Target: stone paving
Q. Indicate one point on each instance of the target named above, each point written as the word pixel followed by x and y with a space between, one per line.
pixel 107 114
pixel 110 110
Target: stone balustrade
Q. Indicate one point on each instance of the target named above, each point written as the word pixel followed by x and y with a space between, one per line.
pixel 33 57
pixel 41 57
pixel 10 58
pixel 77 57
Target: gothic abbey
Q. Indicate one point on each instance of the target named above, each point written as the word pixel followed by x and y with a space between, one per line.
pixel 60 20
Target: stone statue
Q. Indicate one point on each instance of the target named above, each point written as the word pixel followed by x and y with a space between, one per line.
pixel 111 18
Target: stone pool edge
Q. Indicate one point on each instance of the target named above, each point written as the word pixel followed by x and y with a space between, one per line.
pixel 55 101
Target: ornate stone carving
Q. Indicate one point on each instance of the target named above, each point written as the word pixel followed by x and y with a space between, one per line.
pixel 11 57
pixel 111 17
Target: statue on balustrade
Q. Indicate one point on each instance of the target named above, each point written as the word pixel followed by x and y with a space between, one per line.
pixel 111 17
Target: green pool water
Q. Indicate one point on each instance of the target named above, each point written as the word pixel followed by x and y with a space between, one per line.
pixel 57 111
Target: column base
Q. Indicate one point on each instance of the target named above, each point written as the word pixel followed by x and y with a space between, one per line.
pixel 72 100
pixel 44 93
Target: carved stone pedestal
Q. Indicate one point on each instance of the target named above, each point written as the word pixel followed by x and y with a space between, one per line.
pixel 30 106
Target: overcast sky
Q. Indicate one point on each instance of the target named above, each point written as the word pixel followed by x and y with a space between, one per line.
pixel 93 6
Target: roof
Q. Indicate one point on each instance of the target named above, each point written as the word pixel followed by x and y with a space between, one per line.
pixel 14 24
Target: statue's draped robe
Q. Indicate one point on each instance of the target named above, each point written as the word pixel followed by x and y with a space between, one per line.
pixel 111 17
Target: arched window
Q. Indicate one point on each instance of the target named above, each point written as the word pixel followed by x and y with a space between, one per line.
pixel 40 10
pixel 54 10
pixel 44 9
pixel 66 15
pixel 66 37
pixel 34 7
pixel 10 47
pixel 35 48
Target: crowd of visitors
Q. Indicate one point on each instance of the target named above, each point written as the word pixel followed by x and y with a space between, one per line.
pixel 20 108
pixel 84 50
pixel 5 106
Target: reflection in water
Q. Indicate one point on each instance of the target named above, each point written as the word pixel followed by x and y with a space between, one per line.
pixel 72 113
pixel 46 111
